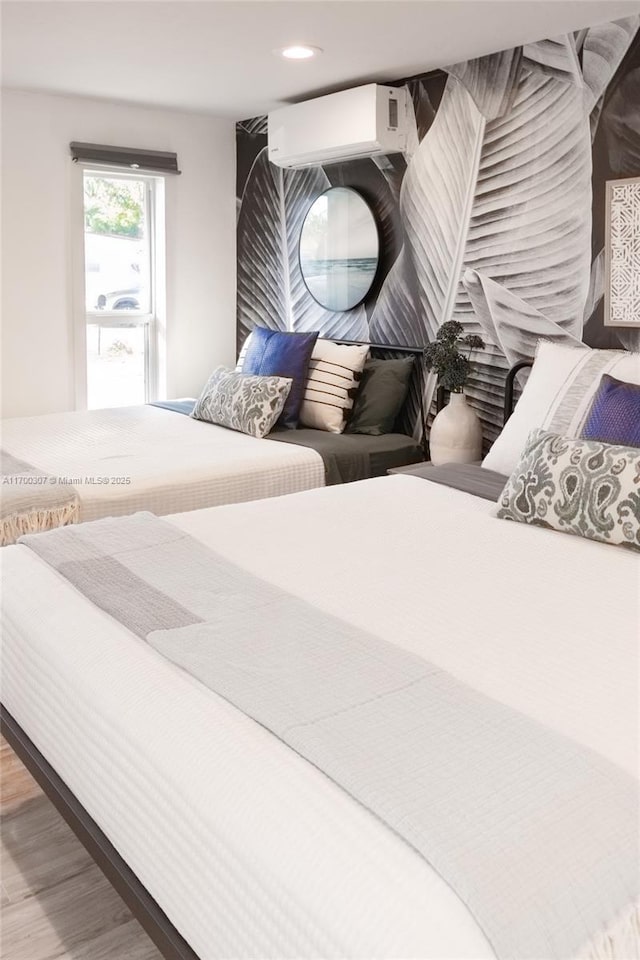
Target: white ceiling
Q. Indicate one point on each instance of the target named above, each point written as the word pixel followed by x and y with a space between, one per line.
pixel 215 56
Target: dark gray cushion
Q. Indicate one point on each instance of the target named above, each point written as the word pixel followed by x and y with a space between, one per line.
pixel 382 392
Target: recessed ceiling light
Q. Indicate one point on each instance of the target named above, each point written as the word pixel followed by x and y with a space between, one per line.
pixel 298 52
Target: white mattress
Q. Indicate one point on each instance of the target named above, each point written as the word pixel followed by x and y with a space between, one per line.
pixel 172 462
pixel 250 850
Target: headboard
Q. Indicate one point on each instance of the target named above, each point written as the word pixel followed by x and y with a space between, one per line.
pixel 510 384
pixel 387 350
pixel 414 409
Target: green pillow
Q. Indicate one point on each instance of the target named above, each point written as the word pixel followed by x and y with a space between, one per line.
pixel 382 392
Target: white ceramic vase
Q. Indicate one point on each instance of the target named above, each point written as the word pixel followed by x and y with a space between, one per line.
pixel 456 433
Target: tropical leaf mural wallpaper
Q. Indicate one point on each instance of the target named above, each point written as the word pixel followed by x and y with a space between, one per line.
pixel 494 218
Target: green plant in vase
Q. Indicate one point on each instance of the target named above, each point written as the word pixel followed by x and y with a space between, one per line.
pixel 456 432
pixel 447 358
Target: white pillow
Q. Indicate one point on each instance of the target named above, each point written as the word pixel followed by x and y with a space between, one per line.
pixel 242 354
pixel 334 373
pixel 557 396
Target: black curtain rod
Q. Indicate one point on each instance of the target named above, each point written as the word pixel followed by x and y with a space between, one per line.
pixel 159 161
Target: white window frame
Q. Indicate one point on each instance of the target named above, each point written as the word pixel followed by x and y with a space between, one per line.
pixel 153 320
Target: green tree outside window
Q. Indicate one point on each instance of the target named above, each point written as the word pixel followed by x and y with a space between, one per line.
pixel 114 207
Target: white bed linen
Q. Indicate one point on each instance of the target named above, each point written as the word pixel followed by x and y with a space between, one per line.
pixel 250 850
pixel 174 463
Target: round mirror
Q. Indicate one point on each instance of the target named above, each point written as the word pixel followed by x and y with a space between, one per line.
pixel 339 249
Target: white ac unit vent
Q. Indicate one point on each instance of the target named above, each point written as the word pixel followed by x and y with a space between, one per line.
pixel 363 122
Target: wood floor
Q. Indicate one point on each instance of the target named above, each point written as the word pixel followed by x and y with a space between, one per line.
pixel 55 902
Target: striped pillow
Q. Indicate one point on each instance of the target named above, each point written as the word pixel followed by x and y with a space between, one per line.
pixel 334 373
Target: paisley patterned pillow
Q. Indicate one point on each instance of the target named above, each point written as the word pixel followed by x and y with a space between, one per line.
pixel 583 487
pixel 242 402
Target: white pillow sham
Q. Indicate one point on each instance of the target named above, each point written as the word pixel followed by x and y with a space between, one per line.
pixel 242 354
pixel 557 396
pixel 334 374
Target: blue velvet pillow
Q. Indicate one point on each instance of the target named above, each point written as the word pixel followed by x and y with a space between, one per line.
pixel 614 416
pixel 274 354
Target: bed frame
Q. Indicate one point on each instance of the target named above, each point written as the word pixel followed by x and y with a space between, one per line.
pixel 510 385
pixel 418 355
pixel 151 917
pixel 169 942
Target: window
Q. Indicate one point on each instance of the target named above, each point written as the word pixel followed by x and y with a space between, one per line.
pixel 123 286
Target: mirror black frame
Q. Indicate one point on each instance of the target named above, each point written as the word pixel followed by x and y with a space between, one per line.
pixel 378 238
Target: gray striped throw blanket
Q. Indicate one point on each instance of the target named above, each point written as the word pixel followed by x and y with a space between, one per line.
pixel 536 834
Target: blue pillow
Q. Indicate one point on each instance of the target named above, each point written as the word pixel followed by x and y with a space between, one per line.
pixel 274 354
pixel 614 416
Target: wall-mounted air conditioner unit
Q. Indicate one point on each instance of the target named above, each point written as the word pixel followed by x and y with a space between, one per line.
pixel 363 122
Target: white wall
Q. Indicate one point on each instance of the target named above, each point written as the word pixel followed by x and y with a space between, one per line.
pixel 37 215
